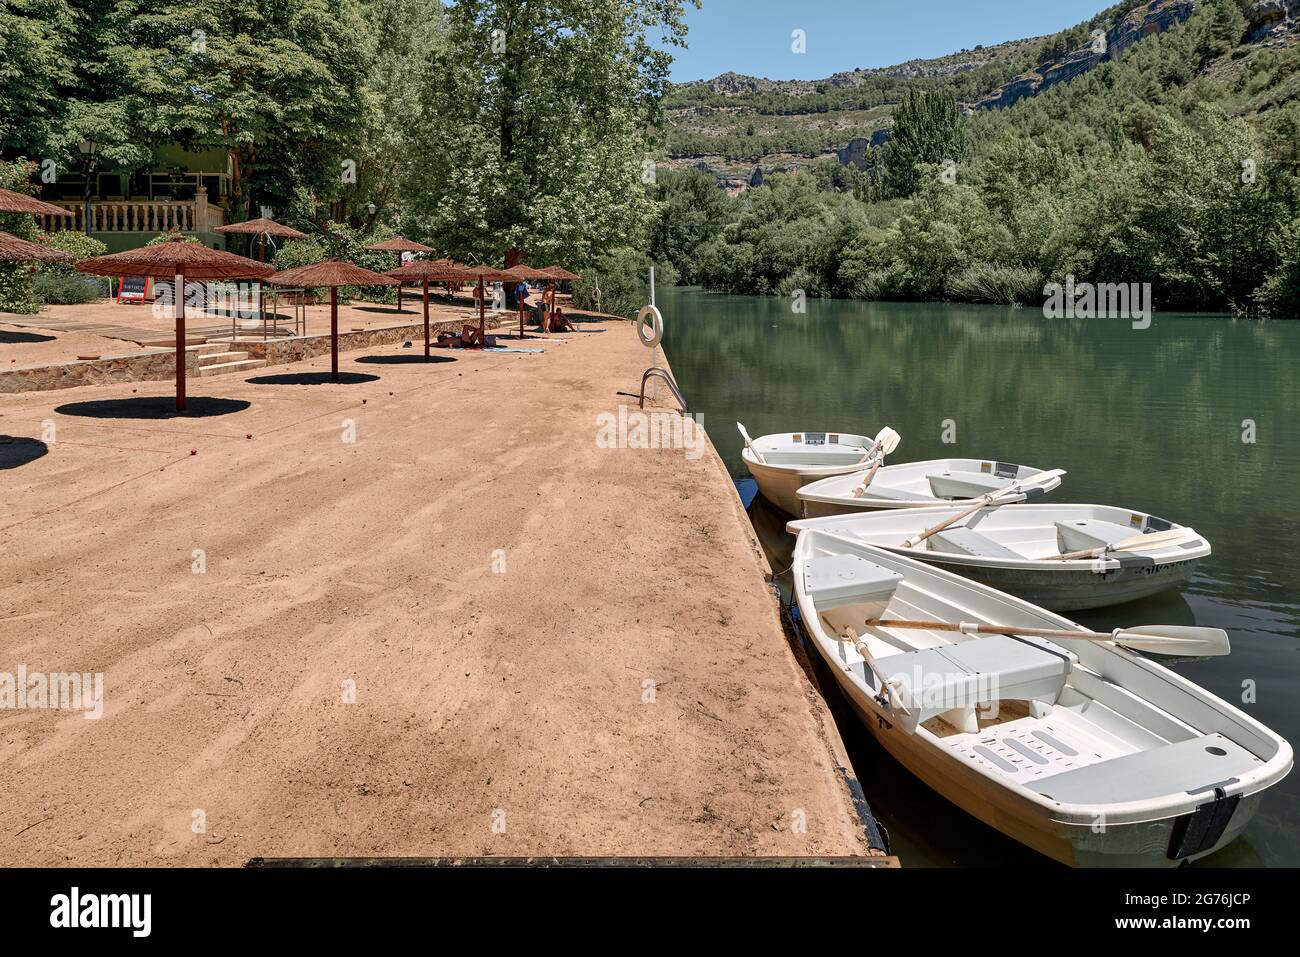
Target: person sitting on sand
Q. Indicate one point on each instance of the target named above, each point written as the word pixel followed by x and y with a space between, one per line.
pixel 559 322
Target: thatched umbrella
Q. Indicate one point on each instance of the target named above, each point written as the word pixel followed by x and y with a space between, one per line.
pixel 11 202
pixel 426 271
pixel 399 245
pixel 519 271
pixel 264 229
pixel 560 274
pixel 15 250
pixel 180 258
pixel 332 273
pixel 484 274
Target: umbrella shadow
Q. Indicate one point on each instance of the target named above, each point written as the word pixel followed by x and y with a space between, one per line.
pixel 404 358
pixel 153 407
pixel 313 378
pixel 18 450
pixel 11 338
pixel 387 310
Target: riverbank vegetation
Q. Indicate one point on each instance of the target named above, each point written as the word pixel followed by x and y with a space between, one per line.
pixel 1176 165
pixel 488 129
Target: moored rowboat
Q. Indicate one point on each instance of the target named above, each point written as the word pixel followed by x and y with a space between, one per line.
pixel 915 485
pixel 1080 749
pixel 1123 554
pixel 783 462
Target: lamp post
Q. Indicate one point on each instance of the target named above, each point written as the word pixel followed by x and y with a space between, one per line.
pixel 88 148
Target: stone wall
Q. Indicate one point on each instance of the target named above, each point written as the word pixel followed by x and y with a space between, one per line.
pixel 154 365
pixel 158 365
pixel 281 351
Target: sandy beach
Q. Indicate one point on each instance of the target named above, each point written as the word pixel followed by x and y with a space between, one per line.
pixel 419 613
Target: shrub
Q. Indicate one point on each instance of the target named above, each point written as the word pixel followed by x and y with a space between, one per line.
pixel 70 241
pixel 163 237
pixel 620 279
pixel 997 284
pixel 67 288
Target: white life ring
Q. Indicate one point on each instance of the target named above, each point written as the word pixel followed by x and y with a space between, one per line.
pixel 656 326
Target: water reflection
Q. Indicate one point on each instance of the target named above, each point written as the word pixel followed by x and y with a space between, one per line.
pixel 1148 419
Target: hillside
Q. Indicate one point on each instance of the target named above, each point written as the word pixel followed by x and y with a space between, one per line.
pixel 1157 144
pixel 733 125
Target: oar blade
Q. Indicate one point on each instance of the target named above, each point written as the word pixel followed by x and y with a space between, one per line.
pixel 1185 640
pixel 749 444
pixel 887 440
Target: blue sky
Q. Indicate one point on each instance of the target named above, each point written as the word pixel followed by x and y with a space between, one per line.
pixel 754 36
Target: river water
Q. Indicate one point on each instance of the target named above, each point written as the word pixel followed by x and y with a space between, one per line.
pixel 1196 419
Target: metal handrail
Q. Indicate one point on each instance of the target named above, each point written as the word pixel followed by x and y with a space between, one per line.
pixel 661 374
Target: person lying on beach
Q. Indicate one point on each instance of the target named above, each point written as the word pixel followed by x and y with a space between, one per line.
pixel 467 339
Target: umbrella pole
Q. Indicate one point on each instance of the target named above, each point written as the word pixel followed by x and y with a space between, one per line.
pixel 178 297
pixel 261 300
pixel 482 294
pixel 399 283
pixel 426 318
pixel 334 333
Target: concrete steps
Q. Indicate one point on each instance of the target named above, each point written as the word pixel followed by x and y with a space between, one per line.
pixel 224 362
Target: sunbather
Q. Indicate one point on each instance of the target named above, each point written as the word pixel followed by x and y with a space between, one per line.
pixel 557 321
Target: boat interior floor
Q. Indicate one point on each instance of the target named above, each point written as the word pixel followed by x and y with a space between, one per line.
pixel 1087 742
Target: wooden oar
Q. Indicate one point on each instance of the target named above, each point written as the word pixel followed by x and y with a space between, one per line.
pixel 1138 542
pixel 887 440
pixel 1161 639
pixel 885 443
pixel 1021 491
pixel 851 637
pixel 749 443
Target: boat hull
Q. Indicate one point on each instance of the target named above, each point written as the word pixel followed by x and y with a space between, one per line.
pixel 780 484
pixel 1070 590
pixel 807 508
pixel 1144 844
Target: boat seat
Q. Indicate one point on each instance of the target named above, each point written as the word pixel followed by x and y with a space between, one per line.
pixel 1194 766
pixel 1084 534
pixel 815 457
pixel 966 674
pixel 893 494
pixel 960 540
pixel 958 484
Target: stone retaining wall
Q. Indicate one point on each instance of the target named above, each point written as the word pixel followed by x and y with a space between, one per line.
pixel 281 351
pixel 153 365
pixel 158 364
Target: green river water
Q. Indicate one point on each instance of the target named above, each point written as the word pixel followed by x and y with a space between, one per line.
pixel 1151 419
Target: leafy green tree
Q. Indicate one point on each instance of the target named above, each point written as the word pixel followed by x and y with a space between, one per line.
pixel 534 138
pixel 692 210
pixel 278 85
pixel 927 129
pixel 34 63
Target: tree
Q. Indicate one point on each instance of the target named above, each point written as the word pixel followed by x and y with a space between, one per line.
pixel 535 132
pixel 33 64
pixel 927 129
pixel 692 210
pixel 278 85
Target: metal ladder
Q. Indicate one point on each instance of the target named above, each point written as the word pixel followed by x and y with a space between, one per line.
pixel 658 373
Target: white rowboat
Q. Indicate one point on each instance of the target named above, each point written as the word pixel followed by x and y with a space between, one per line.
pixel 1082 750
pixel 784 462
pixel 1018 549
pixel 914 485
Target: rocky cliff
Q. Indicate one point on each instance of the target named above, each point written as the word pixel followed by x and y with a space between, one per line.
pixel 1151 18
